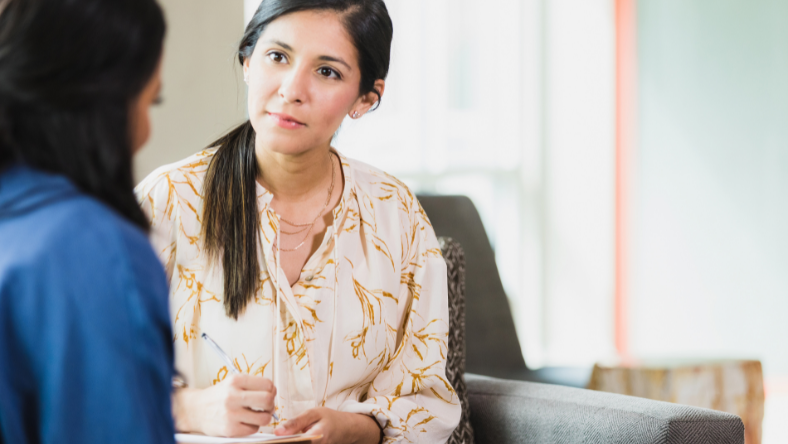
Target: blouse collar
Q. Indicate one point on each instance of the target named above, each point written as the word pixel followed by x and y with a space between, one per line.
pixel 264 196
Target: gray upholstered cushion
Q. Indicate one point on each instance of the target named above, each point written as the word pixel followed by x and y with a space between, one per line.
pixel 455 359
pixel 507 411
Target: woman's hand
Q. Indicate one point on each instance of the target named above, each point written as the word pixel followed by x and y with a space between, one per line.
pixel 336 427
pixel 237 406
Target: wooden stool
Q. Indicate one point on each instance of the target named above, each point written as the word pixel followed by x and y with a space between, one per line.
pixel 729 386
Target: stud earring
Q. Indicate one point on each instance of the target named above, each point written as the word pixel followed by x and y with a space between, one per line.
pixel 355 114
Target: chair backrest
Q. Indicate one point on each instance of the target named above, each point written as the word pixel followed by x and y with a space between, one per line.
pixel 492 347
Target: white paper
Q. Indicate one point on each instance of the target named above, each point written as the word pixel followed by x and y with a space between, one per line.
pixel 203 439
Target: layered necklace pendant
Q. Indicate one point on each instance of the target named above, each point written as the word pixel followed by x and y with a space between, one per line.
pixel 309 226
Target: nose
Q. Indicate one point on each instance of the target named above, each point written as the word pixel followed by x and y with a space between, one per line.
pixel 294 88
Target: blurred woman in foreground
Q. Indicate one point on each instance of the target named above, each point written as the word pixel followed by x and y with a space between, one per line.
pixel 85 348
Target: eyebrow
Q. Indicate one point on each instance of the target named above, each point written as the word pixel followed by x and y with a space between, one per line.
pixel 334 59
pixel 323 58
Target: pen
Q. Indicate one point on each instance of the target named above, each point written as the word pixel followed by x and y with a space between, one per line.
pixel 230 364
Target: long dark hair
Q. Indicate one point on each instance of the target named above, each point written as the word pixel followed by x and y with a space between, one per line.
pixel 230 217
pixel 69 74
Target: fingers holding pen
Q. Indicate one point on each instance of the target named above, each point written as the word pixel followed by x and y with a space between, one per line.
pixel 243 381
pixel 254 418
pixel 237 403
pixel 257 400
pixel 251 392
pixel 237 406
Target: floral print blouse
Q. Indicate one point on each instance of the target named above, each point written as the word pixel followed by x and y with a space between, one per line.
pixel 365 328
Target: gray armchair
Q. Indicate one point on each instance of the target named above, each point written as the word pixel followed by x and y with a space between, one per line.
pixel 509 411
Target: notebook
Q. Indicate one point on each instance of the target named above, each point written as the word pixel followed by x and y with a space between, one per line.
pixel 189 438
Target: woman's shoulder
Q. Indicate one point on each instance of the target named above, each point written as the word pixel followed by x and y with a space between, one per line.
pixel 71 255
pixel 389 197
pixel 187 172
pixel 69 228
pixel 386 190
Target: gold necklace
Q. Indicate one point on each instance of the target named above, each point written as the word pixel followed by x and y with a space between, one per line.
pixel 309 226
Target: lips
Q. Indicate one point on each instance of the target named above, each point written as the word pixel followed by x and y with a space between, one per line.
pixel 285 121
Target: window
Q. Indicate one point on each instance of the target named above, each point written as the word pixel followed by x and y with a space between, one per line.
pixel 510 102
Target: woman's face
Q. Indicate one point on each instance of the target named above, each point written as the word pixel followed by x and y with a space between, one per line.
pixel 139 114
pixel 303 79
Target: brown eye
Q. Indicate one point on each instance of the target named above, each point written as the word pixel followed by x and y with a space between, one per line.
pixel 277 57
pixel 329 73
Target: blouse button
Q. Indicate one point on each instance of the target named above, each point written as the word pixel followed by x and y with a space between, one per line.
pixel 309 278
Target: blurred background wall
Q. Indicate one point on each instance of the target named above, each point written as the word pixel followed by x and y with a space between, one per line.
pixel 710 198
pixel 204 94
pixel 711 201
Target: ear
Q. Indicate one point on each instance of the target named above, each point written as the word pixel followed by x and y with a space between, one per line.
pixel 246 70
pixel 368 100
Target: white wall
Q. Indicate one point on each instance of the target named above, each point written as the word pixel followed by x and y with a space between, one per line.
pixel 711 221
pixel 250 6
pixel 204 94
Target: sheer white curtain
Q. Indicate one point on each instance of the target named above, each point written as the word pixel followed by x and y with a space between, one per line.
pixel 510 103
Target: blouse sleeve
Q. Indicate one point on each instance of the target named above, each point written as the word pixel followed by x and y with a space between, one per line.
pixel 159 201
pixel 411 398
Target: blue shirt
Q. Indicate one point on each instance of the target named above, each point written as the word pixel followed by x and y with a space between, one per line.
pixel 85 339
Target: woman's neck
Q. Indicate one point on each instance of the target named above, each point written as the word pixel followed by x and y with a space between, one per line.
pixel 294 178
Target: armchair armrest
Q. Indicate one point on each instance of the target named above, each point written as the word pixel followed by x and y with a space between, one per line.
pixel 505 411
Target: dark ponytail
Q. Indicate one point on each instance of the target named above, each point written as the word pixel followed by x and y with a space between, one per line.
pixel 231 221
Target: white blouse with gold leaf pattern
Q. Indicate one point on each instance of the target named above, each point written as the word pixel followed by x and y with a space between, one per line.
pixel 365 328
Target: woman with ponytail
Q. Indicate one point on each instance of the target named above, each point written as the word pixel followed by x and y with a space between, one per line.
pixel 85 349
pixel 319 276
